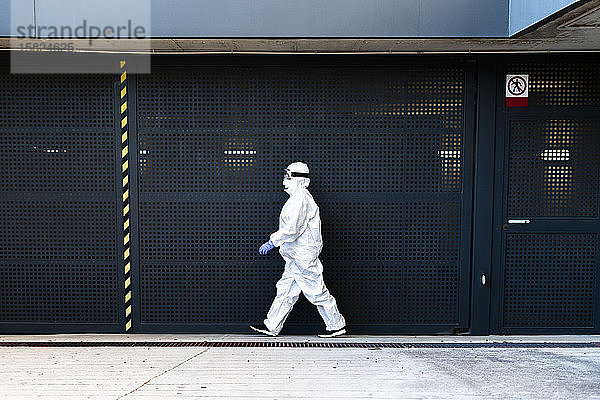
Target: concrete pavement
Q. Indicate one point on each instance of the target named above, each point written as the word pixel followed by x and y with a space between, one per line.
pixel 538 372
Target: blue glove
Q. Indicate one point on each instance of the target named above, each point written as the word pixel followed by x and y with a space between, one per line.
pixel 264 249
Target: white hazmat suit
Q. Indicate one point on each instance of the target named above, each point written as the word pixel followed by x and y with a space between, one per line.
pixel 300 243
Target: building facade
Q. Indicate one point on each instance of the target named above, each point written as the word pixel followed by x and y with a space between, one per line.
pixel 135 201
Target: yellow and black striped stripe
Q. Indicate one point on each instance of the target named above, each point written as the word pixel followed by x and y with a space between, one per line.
pixel 125 171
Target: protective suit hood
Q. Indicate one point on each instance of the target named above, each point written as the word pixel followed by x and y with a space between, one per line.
pixel 295 181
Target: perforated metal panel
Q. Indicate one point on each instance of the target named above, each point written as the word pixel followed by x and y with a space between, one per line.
pixel 59 293
pixel 51 101
pixel 550 264
pixel 556 82
pixel 385 146
pixel 58 244
pixel 57 230
pixel 554 168
pixel 550 280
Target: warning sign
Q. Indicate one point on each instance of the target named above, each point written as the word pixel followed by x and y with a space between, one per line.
pixel 517 90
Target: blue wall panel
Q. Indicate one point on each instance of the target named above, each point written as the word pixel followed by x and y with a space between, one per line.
pixel 273 18
pixel 5 17
pixel 463 18
pixel 287 18
pixel 524 13
pixel 280 18
pixel 20 13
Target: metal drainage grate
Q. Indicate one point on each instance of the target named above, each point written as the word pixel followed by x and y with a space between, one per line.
pixel 335 345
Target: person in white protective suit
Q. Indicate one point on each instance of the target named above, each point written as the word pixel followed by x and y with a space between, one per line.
pixel 300 243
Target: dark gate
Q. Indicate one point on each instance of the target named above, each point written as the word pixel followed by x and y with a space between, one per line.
pixel 390 152
pixel 548 255
pixel 59 269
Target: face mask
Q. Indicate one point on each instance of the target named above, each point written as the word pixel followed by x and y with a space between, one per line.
pixel 290 185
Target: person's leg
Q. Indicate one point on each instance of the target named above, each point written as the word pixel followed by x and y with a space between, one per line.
pixel 312 285
pixel 287 295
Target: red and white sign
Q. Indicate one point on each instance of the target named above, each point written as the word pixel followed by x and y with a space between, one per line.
pixel 517 90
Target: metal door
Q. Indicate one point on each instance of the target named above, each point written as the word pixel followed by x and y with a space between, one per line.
pixel 547 262
pixel 389 144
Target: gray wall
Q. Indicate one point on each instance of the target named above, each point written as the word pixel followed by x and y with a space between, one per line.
pixel 288 18
pixel 331 18
pixel 275 18
pixel 4 17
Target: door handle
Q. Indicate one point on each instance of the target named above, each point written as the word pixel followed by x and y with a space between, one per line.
pixel 519 221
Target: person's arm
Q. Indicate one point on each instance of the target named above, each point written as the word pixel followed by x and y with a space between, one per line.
pixel 293 222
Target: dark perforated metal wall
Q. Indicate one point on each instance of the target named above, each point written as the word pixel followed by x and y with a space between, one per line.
pixel 58 201
pixel 389 141
pixel 550 265
pixel 389 149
